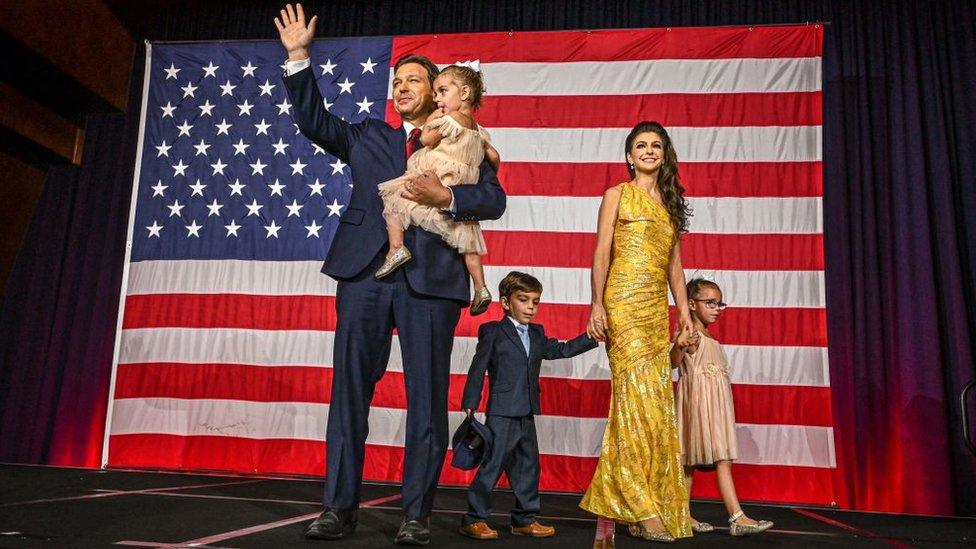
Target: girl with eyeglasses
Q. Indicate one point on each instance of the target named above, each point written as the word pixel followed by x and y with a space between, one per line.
pixel 706 418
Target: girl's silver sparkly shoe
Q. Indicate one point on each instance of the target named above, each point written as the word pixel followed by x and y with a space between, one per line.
pixel 392 263
pixel 638 531
pixel 737 529
pixel 481 301
pixel 701 527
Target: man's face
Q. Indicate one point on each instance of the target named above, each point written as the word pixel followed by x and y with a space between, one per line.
pixel 412 95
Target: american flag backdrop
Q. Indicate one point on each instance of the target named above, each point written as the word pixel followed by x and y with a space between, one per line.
pixel 226 329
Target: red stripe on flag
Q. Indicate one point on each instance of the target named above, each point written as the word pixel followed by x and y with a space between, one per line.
pixel 616 45
pixel 670 109
pixel 385 463
pixel 700 179
pixel 761 404
pixel 733 252
pixel 739 326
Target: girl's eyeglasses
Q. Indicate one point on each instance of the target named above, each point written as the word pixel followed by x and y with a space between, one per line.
pixel 712 304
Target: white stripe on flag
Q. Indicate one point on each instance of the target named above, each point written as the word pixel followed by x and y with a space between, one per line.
pixel 708 144
pixel 558 435
pixel 783 74
pixel 710 215
pixel 748 364
pixel 801 289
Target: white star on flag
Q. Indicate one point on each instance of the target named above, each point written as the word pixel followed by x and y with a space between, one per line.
pixel 210 70
pixel 337 166
pixel 364 105
pixel 276 188
pixel 316 188
pixel 284 107
pixel 188 89
pixel 258 167
pixel 197 188
pixel 266 88
pixel 262 127
pixel 175 208
pixel 327 104
pixel 245 108
pixel 272 229
pixel 223 127
pixel 185 128
pixel 280 146
pixel 180 168
pixel 171 71
pixel 346 86
pixel 318 150
pixel 168 110
pixel 158 189
pixel 327 67
pixel 227 89
pixel 294 208
pixel 312 229
pixel 163 149
pixel 214 208
pixel 240 147
pixel 218 167
pixel 236 187
pixel 298 168
pixel 154 229
pixel 206 108
pixel 254 208
pixel 368 65
pixel 248 69
pixel 232 228
pixel 193 229
pixel 335 208
pixel 201 148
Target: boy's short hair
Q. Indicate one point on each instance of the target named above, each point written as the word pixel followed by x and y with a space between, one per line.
pixel 518 282
pixel 432 70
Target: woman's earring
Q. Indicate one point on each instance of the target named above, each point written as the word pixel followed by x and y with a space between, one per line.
pixel 631 166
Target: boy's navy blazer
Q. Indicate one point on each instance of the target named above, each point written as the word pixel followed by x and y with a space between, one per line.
pixel 500 353
pixel 375 151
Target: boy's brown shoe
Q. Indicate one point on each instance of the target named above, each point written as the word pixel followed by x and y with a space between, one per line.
pixel 534 530
pixel 478 530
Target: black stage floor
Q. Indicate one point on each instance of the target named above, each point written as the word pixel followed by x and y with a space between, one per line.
pixel 58 507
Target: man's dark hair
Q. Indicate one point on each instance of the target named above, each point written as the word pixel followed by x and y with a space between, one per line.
pixel 518 282
pixel 432 70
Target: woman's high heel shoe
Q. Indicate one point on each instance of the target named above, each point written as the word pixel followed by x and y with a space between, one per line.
pixel 392 263
pixel 699 527
pixel 481 301
pixel 639 531
pixel 737 529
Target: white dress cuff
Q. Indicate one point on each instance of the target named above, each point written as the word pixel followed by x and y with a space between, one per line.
pixel 291 67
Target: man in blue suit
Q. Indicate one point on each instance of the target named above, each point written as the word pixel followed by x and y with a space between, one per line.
pixel 422 300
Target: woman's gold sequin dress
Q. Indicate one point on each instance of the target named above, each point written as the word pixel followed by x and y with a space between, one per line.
pixel 639 475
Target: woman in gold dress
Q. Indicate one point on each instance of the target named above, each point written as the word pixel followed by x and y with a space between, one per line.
pixel 639 479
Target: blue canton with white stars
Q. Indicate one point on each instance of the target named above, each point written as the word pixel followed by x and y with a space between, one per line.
pixel 224 172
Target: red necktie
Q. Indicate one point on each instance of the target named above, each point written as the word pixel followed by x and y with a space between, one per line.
pixel 413 142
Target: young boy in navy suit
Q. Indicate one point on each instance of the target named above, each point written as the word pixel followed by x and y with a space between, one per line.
pixel 511 351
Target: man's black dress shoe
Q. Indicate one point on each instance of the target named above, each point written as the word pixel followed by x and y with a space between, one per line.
pixel 413 531
pixel 332 524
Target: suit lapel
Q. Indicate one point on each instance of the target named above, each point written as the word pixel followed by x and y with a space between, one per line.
pixel 535 342
pixel 512 334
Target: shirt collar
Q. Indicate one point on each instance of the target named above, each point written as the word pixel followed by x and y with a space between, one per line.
pixel 408 127
pixel 516 322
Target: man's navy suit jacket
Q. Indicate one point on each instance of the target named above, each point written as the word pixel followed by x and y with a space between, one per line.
pixel 513 376
pixel 375 152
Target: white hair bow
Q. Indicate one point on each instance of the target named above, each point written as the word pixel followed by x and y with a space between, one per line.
pixel 476 65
